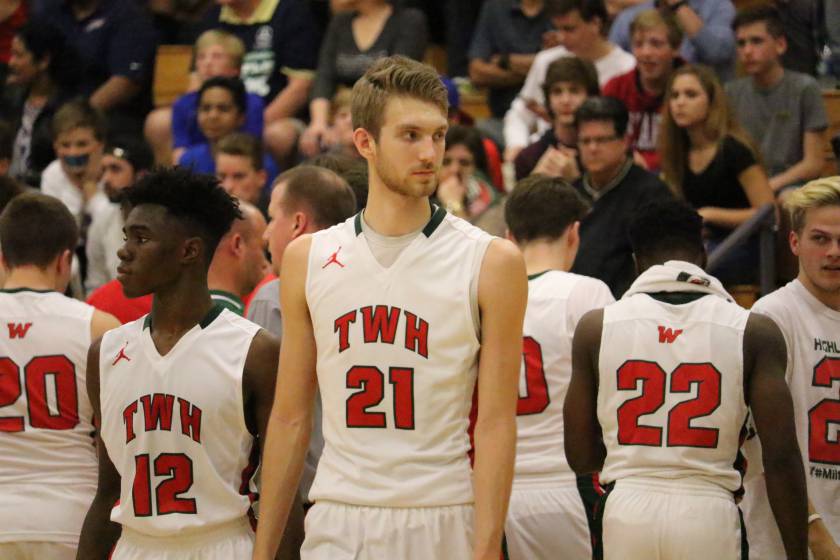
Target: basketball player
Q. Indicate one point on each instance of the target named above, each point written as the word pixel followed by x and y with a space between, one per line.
pixel 808 312
pixel 661 381
pixel 402 311
pixel 549 509
pixel 181 393
pixel 47 458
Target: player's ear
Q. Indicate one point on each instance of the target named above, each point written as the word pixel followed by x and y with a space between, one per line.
pixel 301 223
pixel 237 243
pixel 365 143
pixel 509 236
pixel 793 239
pixel 573 234
pixel 192 250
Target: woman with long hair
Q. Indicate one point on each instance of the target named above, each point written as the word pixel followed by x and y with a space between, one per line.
pixel 710 161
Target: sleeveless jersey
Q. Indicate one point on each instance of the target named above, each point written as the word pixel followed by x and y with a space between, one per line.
pixel 397 352
pixel 47 455
pixel 812 335
pixel 174 425
pixel 556 302
pixel 671 389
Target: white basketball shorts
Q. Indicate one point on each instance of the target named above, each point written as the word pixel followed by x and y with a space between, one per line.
pixel 231 541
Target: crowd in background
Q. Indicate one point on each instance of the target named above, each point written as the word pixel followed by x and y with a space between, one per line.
pixel 628 100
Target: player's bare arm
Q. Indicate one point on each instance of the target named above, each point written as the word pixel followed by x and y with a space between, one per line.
pixel 99 533
pixel 582 437
pixel 768 396
pixel 100 323
pixel 290 421
pixel 502 297
pixel 820 541
pixel 258 382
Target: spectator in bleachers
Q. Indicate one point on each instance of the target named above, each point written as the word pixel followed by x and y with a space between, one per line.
pixel 464 188
pixel 281 42
pixel 781 109
pixel 507 37
pixel 582 25
pixel 360 32
pixel 240 167
pixel 13 16
pixel 708 159
pixel 116 45
pixel 706 26
pixel 568 82
pixel 7 137
pixel 802 21
pixel 41 73
pixel 78 135
pixel 615 187
pixel 338 136
pixel 171 130
pixel 125 160
pixel 221 111
pixel 655 38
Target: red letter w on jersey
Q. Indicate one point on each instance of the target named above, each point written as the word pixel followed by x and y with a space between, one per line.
pixel 667 335
pixel 18 330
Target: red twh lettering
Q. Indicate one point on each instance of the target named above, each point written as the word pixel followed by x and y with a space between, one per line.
pixel 667 335
pixel 157 411
pixel 190 420
pixel 18 330
pixel 342 327
pixel 380 323
pixel 128 419
pixel 416 334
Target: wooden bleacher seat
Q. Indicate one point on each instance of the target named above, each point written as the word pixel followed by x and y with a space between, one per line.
pixel 831 98
pixel 172 73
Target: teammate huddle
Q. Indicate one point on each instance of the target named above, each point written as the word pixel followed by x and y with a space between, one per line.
pixel 440 391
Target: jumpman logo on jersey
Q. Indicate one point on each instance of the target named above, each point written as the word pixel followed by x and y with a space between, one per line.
pixel 121 355
pixel 333 259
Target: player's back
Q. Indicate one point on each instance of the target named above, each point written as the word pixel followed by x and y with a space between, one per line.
pixel 396 363
pixel 47 457
pixel 671 398
pixel 174 425
pixel 556 302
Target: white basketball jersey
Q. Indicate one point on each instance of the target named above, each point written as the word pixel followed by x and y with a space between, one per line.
pixel 671 389
pixel 397 363
pixel 174 425
pixel 812 335
pixel 47 456
pixel 556 302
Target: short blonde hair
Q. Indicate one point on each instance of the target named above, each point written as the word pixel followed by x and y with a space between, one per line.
pixel 394 76
pixel 233 45
pixel 343 99
pixel 651 19
pixel 815 194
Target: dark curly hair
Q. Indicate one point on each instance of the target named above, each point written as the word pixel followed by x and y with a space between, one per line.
pixel 668 228
pixel 198 201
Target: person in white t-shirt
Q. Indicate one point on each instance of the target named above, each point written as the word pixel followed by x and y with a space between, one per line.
pixel 581 26
pixel 550 508
pixel 808 312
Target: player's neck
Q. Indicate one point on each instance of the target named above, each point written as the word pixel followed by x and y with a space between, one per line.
pixel 542 255
pixel 829 299
pixel 393 214
pixel 32 278
pixel 177 310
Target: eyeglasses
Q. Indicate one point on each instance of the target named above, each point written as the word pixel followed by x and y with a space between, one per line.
pixel 597 140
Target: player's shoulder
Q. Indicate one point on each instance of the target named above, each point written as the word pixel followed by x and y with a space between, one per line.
pixel 562 284
pixel 45 302
pixel 782 302
pixel 228 320
pixel 457 227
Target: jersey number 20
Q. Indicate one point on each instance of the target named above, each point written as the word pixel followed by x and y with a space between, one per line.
pixel 680 431
pixel 35 374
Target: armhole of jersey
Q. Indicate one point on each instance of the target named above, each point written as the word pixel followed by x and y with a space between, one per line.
pixel 307 282
pixel 475 278
pixel 241 388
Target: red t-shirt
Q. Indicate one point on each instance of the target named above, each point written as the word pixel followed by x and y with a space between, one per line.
pixel 110 298
pixel 645 114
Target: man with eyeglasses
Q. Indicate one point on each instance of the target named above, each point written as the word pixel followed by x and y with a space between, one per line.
pixel 615 187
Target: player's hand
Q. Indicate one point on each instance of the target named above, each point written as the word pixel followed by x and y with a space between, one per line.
pixel 821 543
pixel 451 192
pixel 312 138
pixel 511 152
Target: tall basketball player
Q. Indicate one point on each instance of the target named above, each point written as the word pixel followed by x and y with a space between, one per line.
pixel 400 316
pixel 47 458
pixel 661 382
pixel 550 509
pixel 182 394
pixel 808 312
